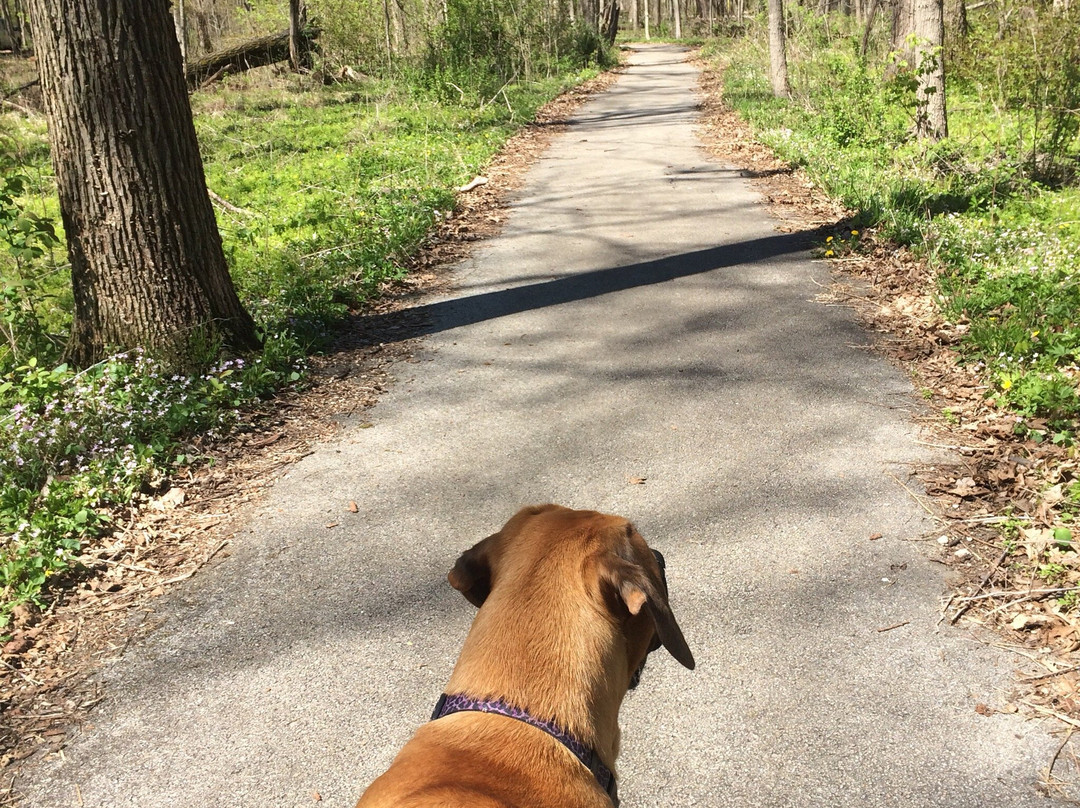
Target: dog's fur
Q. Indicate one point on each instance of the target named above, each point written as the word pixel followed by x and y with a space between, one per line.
pixel 570 602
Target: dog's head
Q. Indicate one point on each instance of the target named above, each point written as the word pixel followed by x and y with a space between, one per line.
pixel 558 553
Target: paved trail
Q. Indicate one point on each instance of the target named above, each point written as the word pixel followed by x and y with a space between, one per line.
pixel 639 317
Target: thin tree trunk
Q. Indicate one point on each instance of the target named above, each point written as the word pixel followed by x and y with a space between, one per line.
pixel 634 15
pixel 678 18
pixel 778 71
pixel 299 43
pixel 13 24
pixel 181 29
pixel 956 23
pixel 930 119
pixel 389 43
pixel 202 26
pixel 646 4
pixel 870 15
pixel 147 265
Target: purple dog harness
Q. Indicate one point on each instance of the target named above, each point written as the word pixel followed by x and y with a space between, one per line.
pixel 460 703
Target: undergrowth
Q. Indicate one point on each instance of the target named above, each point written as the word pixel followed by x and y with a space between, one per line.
pixel 327 190
pixel 995 207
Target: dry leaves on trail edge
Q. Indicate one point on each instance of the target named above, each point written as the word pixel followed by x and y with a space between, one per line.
pixel 168 535
pixel 990 472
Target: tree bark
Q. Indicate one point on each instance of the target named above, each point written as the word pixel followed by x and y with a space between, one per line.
pixel 870 15
pixel 610 23
pixel 13 25
pixel 299 43
pixel 778 71
pixel 147 265
pixel 930 118
pixel 181 29
pixel 956 22
pixel 903 31
pixel 678 18
pixel 264 50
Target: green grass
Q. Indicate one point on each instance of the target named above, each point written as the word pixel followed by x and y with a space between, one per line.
pixel 1000 224
pixel 336 187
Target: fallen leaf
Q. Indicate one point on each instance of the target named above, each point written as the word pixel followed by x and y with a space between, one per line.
pixel 1023 622
pixel 637 480
pixel 875 536
pixel 353 507
pixel 330 525
pixel 982 709
pixel 964 487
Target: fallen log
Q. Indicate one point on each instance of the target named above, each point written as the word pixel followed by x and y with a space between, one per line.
pixel 263 50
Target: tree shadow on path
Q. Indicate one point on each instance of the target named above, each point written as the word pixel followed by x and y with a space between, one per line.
pixel 445 315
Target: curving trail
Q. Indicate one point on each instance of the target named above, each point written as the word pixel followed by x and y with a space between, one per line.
pixel 639 317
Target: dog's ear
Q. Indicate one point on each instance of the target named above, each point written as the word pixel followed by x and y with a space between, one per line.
pixel 638 586
pixel 471 575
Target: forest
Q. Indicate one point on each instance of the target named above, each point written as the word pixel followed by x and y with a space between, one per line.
pixel 332 135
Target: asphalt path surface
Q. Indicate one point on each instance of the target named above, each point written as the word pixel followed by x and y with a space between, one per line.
pixel 639 317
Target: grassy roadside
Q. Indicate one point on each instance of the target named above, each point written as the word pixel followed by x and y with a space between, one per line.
pixel 322 193
pixel 1002 233
pixel 971 248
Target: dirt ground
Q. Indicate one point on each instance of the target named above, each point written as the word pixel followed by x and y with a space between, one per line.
pixel 47 670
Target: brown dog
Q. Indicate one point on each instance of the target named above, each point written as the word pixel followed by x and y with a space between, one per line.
pixel 571 603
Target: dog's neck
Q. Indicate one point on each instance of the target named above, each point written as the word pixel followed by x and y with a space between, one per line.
pixel 564 662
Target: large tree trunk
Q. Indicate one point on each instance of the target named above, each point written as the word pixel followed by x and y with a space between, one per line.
pixel 147 266
pixel 930 119
pixel 778 72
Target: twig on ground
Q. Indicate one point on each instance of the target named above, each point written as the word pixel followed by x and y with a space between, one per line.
pixel 915 497
pixel 1072 722
pixel 19 673
pixel 982 584
pixel 894 625
pixel 1053 760
pixel 196 568
pixel 1031 593
pixel 229 206
pixel 1051 675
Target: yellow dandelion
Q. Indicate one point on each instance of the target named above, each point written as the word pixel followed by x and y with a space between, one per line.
pixel 1035 333
pixel 827 240
pixel 829 253
pixel 1006 384
pixel 854 232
